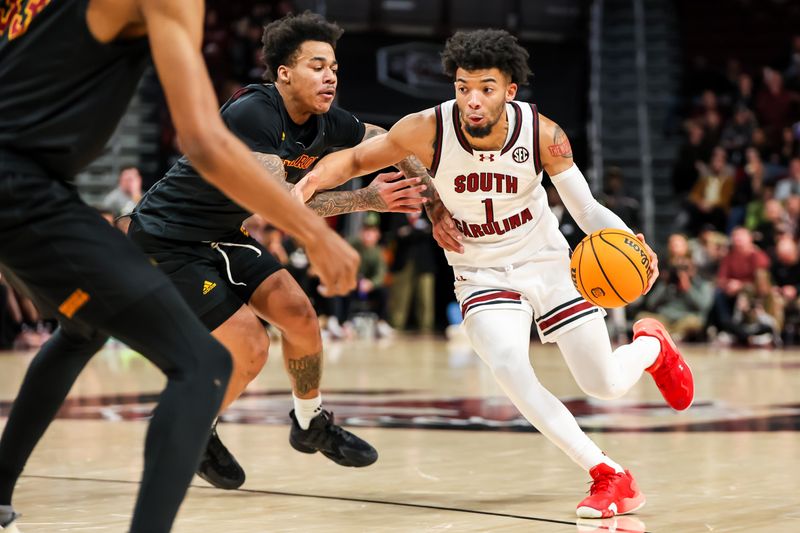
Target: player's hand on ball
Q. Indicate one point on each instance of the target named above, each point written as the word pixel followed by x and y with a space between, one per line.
pixel 444 230
pixel 652 272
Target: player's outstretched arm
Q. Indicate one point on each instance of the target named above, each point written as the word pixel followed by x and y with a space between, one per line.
pixel 175 32
pixel 588 213
pixel 387 192
pixel 378 152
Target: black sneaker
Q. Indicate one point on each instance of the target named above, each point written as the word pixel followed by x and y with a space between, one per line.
pixel 7 522
pixel 218 466
pixel 334 442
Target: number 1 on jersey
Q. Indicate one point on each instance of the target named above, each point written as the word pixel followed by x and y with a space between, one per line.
pixel 487 203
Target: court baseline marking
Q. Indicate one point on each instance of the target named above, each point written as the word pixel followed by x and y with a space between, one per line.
pixel 346 499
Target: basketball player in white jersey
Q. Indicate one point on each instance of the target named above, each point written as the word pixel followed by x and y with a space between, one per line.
pixel 486 154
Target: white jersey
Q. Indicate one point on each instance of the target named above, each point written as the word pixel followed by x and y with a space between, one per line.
pixel 495 197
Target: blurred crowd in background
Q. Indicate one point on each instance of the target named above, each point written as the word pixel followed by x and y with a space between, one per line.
pixel 730 271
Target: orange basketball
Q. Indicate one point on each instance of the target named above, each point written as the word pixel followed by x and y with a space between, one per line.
pixel 609 268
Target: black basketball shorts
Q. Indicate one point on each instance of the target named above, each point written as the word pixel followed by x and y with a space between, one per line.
pixel 75 266
pixel 215 278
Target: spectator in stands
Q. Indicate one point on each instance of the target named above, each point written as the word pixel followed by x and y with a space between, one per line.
pixel 122 199
pixel 774 106
pixel 758 313
pixel 614 197
pixel 695 149
pixel 710 199
pixel 737 134
pixel 737 272
pixel 790 185
pixel 760 143
pixel 712 126
pixel 749 187
pixel 792 72
pixel 792 206
pixel 708 249
pixel 371 293
pixel 785 272
pixel 775 223
pixel 754 214
pixel 789 148
pixel 744 91
pixel 680 298
pixel 413 271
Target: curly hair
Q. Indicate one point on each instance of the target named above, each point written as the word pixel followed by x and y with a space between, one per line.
pixel 485 49
pixel 282 39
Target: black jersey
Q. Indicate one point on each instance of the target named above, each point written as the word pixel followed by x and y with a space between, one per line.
pixel 62 93
pixel 184 206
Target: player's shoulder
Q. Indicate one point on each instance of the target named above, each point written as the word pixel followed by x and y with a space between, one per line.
pixel 547 126
pixel 337 115
pixel 253 97
pixel 426 117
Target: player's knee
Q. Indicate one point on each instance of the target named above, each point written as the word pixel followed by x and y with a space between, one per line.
pixel 301 322
pixel 602 387
pixel 254 355
pixel 504 363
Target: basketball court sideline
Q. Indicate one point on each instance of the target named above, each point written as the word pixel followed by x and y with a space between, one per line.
pixel 455 454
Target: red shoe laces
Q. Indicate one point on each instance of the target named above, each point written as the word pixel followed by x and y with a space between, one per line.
pixel 603 483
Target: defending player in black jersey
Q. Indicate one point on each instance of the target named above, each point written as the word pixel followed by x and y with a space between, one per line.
pixel 67 71
pixel 193 231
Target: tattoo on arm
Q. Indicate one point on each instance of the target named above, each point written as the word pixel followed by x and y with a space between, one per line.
pixel 413 168
pixel 306 372
pixel 330 203
pixel 371 130
pixel 274 165
pixel 560 146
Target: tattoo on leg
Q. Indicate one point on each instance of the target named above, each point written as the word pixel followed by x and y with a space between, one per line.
pixel 306 372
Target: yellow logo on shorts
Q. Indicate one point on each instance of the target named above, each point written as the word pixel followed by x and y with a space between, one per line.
pixel 208 286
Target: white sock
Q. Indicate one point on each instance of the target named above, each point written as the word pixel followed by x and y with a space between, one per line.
pixel 305 410
pixel 649 347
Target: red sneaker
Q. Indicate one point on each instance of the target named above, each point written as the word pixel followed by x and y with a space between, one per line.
pixel 611 494
pixel 615 524
pixel 670 371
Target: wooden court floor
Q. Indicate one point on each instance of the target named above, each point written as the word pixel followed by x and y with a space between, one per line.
pixel 454 454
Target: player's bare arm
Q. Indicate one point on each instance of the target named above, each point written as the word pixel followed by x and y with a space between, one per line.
pixel 386 192
pixel 406 138
pixel 413 169
pixel 574 191
pixel 175 30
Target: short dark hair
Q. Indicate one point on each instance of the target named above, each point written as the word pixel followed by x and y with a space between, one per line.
pixel 282 39
pixel 484 49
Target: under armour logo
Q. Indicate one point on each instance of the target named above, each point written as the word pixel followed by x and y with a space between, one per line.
pixel 484 157
pixel 520 155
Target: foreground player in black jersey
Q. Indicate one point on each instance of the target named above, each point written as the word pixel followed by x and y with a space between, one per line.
pixel 193 232
pixel 67 71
